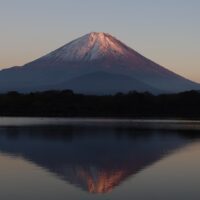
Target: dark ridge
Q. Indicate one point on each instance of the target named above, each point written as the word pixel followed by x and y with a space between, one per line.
pixel 131 105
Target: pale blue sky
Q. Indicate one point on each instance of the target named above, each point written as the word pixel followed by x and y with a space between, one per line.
pixel 167 32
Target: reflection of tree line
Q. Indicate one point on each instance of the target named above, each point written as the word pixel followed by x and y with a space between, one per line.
pixel 133 104
pixel 97 161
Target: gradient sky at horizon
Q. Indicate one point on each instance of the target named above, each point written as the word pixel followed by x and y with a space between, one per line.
pixel 166 32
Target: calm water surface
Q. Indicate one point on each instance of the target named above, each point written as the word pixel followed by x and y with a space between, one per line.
pixel 99 159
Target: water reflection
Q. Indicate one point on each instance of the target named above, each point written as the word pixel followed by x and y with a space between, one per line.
pixel 94 159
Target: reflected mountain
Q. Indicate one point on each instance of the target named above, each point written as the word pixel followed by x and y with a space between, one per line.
pixel 96 160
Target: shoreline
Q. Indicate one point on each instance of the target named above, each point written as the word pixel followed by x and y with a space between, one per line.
pixel 149 124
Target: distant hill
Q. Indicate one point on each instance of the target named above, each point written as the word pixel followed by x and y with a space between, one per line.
pixel 130 105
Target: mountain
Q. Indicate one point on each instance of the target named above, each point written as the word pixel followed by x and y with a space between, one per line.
pixel 96 63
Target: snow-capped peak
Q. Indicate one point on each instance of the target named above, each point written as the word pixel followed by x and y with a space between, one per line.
pixel 90 47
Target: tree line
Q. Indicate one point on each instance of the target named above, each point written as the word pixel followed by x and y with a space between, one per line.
pixel 131 105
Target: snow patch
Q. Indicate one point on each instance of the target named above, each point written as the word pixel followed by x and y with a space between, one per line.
pixel 90 47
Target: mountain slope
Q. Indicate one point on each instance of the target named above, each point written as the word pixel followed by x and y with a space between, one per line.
pixel 103 82
pixel 70 66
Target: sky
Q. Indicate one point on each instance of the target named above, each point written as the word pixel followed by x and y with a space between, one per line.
pixel 167 32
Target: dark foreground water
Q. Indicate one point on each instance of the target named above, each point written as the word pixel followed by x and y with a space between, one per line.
pixel 58 159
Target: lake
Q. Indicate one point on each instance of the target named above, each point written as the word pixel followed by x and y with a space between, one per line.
pixel 79 159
